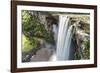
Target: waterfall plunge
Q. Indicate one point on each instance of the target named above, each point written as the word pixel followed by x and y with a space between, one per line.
pixel 64 38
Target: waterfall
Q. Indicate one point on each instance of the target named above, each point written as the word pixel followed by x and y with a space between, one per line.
pixel 64 38
pixel 66 51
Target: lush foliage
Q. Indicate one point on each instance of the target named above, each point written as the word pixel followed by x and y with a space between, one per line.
pixel 33 30
pixel 26 44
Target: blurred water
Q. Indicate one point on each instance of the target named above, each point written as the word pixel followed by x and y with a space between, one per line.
pixel 64 38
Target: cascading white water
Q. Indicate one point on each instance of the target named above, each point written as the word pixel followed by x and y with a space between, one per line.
pixel 64 38
pixel 66 51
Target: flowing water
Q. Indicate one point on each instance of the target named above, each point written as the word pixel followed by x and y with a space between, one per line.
pixel 64 38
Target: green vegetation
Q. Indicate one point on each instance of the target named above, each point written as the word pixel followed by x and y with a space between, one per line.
pixel 33 31
pixel 26 44
pixel 77 56
pixel 86 51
